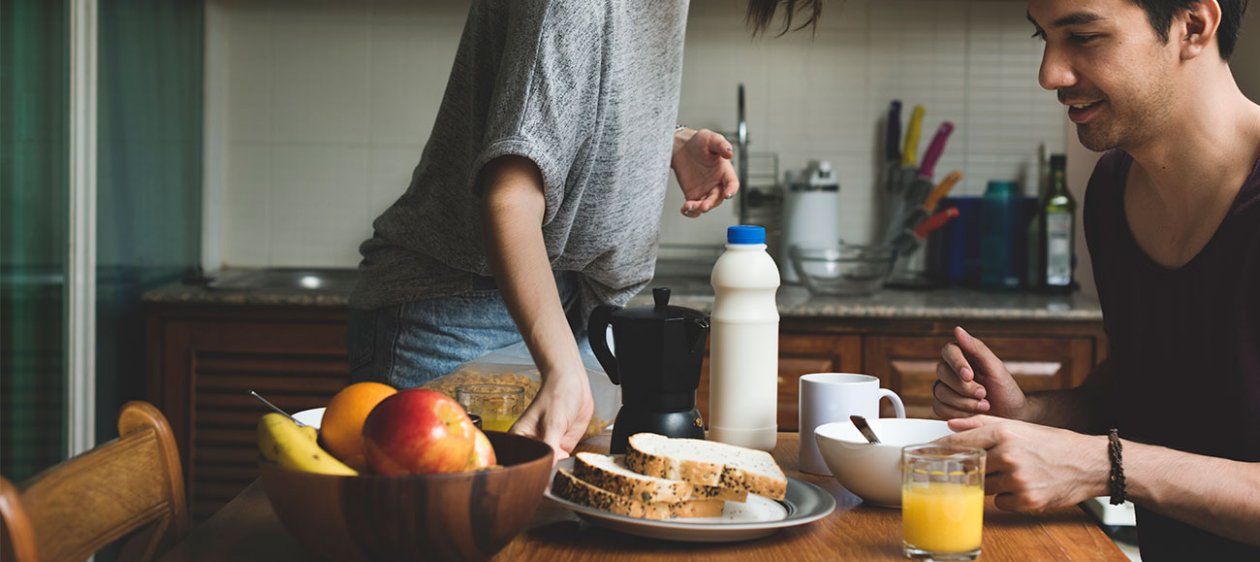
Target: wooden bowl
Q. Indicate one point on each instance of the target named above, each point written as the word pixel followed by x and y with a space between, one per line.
pixel 458 516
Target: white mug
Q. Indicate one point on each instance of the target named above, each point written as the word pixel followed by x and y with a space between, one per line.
pixel 832 397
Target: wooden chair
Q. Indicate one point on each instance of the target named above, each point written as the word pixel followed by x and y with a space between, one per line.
pixel 131 487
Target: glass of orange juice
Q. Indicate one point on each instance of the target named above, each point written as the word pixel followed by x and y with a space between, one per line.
pixel 499 405
pixel 942 502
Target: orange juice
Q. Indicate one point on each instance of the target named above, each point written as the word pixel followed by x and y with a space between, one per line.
pixel 942 516
pixel 497 421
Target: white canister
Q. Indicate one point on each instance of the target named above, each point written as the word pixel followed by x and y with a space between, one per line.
pixel 811 209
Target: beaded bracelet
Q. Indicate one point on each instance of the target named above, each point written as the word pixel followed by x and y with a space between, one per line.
pixel 1116 481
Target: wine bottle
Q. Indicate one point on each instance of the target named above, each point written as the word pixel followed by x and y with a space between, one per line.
pixel 1058 224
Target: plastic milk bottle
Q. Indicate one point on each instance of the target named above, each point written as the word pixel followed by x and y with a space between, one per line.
pixel 744 349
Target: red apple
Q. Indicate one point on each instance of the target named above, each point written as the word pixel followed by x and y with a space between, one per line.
pixel 418 431
pixel 483 453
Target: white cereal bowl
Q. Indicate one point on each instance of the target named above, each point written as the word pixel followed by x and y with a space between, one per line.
pixel 873 471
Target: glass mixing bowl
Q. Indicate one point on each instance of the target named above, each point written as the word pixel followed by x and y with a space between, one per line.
pixel 843 269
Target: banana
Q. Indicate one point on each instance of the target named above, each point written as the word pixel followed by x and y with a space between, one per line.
pixel 290 445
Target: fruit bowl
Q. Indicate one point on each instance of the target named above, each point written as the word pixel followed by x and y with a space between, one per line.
pixel 452 516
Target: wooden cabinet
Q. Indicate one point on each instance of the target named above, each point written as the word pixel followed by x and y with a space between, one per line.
pixel 907 365
pixel 903 354
pixel 203 361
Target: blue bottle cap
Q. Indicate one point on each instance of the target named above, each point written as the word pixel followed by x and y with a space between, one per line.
pixel 745 234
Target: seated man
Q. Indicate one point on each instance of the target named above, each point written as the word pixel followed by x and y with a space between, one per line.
pixel 1172 218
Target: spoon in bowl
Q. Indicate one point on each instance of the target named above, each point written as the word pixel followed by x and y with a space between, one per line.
pixel 865 428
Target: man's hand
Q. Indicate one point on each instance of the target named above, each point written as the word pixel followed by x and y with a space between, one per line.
pixel 1032 467
pixel 702 165
pixel 559 413
pixel 972 380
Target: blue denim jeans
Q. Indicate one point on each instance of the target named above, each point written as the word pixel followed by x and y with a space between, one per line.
pixel 410 344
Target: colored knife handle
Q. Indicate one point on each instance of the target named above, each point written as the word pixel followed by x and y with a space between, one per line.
pixel 935 149
pixel 910 153
pixel 892 133
pixel 941 190
pixel 934 222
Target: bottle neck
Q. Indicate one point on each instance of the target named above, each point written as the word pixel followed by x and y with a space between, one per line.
pixel 746 247
pixel 1058 182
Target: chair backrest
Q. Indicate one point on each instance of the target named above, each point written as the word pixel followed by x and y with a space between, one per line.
pixel 17 538
pixel 130 486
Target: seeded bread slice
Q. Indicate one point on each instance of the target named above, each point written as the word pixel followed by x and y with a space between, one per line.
pixel 610 473
pixel 569 487
pixel 707 463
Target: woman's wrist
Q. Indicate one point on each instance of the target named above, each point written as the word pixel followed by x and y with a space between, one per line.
pixel 682 134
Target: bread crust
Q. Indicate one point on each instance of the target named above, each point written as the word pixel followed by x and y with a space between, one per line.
pixel 571 488
pixel 587 467
pixel 705 473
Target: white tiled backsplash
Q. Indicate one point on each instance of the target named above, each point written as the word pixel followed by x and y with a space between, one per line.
pixel 317 111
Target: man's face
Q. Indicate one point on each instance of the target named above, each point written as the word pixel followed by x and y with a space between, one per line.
pixel 1108 66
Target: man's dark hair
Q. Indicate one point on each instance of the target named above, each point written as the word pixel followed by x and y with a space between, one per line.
pixel 1160 13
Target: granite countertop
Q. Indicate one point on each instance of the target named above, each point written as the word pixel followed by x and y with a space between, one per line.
pixel 945 303
pixel 245 287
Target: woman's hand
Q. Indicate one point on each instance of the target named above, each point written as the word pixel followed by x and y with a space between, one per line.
pixel 560 413
pixel 702 165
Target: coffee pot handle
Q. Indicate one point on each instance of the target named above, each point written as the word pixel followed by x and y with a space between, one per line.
pixel 597 334
pixel 697 329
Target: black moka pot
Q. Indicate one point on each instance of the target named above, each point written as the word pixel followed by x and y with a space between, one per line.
pixel 659 353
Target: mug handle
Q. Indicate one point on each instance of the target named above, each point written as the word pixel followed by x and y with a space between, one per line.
pixel 896 401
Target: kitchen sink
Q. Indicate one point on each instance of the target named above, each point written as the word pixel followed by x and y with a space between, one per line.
pixel 297 280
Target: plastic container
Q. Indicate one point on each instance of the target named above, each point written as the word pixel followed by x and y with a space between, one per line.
pixel 955 247
pixel 744 344
pixel 1001 214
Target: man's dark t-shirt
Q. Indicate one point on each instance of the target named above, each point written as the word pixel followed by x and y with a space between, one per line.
pixel 1185 346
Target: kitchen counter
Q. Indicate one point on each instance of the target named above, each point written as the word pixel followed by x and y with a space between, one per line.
pixel 331 288
pixel 947 303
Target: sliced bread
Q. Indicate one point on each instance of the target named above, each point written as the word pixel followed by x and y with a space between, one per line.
pixel 610 473
pixel 571 488
pixel 707 463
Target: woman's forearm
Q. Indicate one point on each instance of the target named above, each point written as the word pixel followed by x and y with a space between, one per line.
pixel 513 212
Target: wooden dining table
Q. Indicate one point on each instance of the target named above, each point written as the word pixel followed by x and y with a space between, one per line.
pixel 247 530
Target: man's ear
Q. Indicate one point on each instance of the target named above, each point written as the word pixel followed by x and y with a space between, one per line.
pixel 1195 29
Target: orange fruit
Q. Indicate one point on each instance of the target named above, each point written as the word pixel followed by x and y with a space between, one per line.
pixel 341 430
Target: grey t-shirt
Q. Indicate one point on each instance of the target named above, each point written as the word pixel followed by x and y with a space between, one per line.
pixel 587 90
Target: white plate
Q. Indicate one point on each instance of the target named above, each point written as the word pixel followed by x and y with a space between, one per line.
pixel 310 417
pixel 740 521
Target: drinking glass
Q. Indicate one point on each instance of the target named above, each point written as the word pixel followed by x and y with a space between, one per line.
pixel 499 405
pixel 942 502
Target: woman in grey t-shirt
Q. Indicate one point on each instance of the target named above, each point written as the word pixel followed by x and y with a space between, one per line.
pixel 538 196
